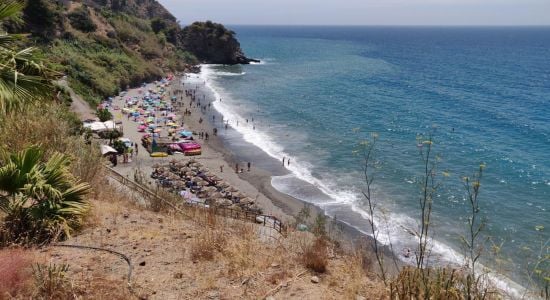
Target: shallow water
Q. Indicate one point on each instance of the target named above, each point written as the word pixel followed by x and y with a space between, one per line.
pixel 484 93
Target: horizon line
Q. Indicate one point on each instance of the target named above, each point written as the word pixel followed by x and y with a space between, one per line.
pixel 387 25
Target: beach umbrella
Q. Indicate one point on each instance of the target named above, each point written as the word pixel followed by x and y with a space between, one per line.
pixel 210 189
pixel 223 184
pixel 247 201
pixel 216 195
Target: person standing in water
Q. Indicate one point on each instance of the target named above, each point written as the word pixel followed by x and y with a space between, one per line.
pixel 288 162
pixel 283 161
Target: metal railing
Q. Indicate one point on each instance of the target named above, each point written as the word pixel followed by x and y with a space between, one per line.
pixel 243 215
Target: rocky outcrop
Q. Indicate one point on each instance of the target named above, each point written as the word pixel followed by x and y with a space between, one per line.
pixel 213 43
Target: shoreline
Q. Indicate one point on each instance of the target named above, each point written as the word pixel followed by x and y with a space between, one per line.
pixel 350 235
pixel 256 183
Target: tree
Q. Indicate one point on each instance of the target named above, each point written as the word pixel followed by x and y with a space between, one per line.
pixel 104 114
pixel 23 77
pixel 41 199
pixel 81 20
pixel 41 18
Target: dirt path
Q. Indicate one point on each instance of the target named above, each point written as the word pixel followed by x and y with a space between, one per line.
pixel 78 105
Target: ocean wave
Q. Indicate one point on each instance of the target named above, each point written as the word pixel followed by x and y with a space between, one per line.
pixel 263 61
pixel 398 233
pixel 228 74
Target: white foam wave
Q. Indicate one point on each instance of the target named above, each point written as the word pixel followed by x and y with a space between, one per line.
pixel 228 74
pixel 396 233
pixel 263 61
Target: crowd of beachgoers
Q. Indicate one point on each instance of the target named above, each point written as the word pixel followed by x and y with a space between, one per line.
pixel 156 114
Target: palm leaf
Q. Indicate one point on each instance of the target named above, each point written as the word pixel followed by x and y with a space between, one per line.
pixel 11 10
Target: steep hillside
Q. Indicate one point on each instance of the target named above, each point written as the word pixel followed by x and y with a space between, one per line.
pixel 213 43
pixel 104 46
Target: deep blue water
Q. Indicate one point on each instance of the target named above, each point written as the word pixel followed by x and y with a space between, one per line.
pixel 484 94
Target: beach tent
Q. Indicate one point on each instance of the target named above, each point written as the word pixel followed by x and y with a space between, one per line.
pixel 106 149
pixel 186 133
pixel 100 126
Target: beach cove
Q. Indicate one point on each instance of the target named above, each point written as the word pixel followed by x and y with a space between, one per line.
pixel 304 111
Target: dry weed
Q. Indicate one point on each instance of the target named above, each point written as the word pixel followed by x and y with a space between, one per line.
pixel 207 242
pixel 315 255
pixel 15 273
pixel 242 251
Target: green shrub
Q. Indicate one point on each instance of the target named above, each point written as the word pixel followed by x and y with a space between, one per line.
pixel 51 280
pixel 80 19
pixel 104 114
pixel 41 199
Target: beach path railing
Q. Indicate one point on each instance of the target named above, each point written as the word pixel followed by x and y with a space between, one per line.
pixel 227 212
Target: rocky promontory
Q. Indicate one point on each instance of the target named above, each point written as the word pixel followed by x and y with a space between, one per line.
pixel 213 43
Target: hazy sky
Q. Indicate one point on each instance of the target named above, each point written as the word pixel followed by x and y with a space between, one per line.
pixel 363 12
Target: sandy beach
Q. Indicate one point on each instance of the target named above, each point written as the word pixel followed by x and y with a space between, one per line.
pixel 255 183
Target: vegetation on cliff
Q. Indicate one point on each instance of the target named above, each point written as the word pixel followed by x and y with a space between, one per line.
pixel 212 42
pixel 104 46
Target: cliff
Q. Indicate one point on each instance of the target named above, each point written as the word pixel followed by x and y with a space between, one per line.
pixel 213 43
pixel 104 46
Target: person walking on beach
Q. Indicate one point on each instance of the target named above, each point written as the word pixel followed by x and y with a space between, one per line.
pixel 248 165
pixel 236 168
pixel 283 161
pixel 288 162
pixel 221 168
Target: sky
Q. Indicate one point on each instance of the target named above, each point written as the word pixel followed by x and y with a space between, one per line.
pixel 362 12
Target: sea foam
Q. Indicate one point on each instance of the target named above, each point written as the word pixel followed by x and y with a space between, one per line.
pixel 397 234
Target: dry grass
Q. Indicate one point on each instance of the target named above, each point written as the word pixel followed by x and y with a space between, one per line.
pixel 207 243
pixel 198 255
pixel 315 255
pixel 15 273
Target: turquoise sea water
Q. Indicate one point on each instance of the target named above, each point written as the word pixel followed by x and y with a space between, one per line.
pixel 483 92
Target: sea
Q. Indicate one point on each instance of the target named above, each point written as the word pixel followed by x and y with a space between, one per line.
pixel 481 93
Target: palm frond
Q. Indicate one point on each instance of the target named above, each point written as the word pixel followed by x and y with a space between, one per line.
pixel 11 10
